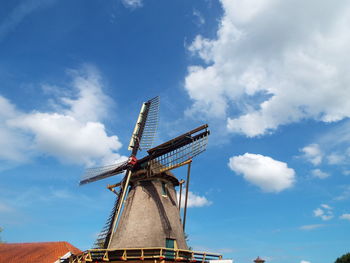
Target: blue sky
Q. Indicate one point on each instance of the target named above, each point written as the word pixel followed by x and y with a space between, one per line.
pixel 270 77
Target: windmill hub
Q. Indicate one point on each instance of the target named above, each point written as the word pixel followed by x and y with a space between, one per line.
pixel 132 160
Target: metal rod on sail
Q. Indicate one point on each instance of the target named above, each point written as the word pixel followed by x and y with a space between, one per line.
pixel 181 183
pixel 186 198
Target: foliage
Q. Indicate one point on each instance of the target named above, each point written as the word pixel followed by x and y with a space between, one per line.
pixel 343 259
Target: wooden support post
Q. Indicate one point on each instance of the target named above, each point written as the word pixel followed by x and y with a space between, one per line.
pixel 186 198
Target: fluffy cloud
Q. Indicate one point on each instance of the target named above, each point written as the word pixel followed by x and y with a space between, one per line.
pixel 313 154
pixel 345 216
pixel 335 144
pixel 193 199
pixel 332 146
pixel 265 70
pixel 311 227
pixel 335 158
pixel 72 134
pixel 132 3
pixel 319 174
pixel 304 261
pixel 324 212
pixel 13 143
pixel 263 171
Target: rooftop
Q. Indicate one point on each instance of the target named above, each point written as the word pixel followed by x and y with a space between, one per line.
pixel 38 252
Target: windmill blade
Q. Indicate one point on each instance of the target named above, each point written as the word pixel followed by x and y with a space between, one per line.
pixel 179 156
pixel 146 126
pixel 176 152
pixel 105 235
pixel 151 124
pixel 98 173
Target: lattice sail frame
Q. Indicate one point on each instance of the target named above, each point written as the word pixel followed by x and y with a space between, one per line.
pixel 103 237
pixel 146 125
pixel 151 124
pixel 179 156
pixel 98 173
pixel 145 131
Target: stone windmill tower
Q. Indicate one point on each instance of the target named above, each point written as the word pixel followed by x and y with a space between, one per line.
pixel 151 216
pixel 145 221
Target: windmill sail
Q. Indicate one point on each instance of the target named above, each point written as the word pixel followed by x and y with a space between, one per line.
pixel 179 156
pixel 143 136
pixel 98 173
pixel 146 125
pixel 105 235
pixel 151 124
pixel 176 152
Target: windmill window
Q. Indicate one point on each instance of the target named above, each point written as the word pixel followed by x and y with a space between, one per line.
pixel 164 192
pixel 171 245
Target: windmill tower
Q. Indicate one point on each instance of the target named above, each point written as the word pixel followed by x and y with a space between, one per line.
pixel 145 221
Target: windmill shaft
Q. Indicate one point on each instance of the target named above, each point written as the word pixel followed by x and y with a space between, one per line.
pixel 186 198
pixel 140 125
pixel 180 197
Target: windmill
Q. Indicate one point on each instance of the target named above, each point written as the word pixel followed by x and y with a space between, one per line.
pixel 146 212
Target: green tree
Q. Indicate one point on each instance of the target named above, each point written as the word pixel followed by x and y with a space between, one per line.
pixel 343 259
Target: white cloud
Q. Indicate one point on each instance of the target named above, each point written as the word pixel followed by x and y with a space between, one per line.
pixel 132 3
pixel 304 261
pixel 324 212
pixel 345 217
pixel 13 143
pixel 73 134
pixel 311 227
pixel 263 171
pixel 265 70
pixel 193 199
pixel 332 146
pixel 91 103
pixel 319 174
pixel 335 158
pixel 313 153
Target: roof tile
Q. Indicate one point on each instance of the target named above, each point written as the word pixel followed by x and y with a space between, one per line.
pixel 39 252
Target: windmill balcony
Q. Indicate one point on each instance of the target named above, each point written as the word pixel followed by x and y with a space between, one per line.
pixel 154 255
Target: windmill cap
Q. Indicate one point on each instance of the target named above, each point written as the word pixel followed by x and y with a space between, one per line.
pixel 142 175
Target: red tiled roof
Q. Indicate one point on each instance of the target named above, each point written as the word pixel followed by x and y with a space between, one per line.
pixel 40 252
